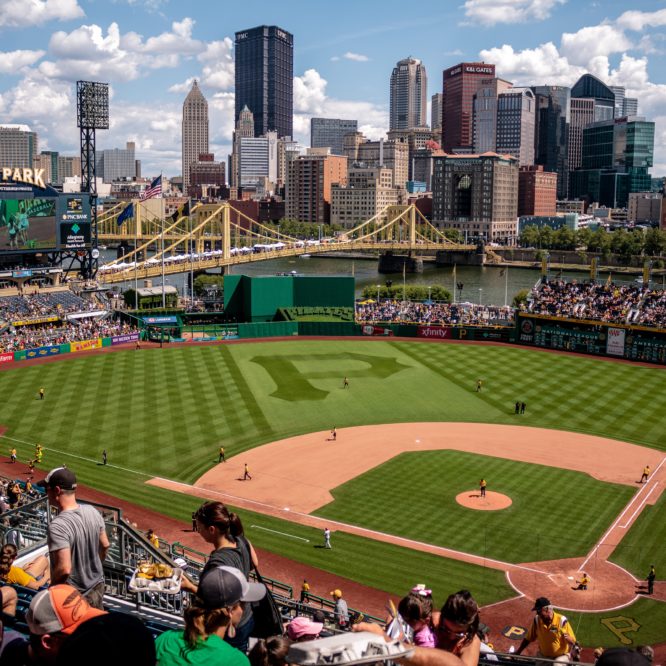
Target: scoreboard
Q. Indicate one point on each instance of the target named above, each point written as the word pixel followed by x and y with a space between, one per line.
pixel 635 343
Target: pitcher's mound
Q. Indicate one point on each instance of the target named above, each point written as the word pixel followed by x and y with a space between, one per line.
pixel 472 499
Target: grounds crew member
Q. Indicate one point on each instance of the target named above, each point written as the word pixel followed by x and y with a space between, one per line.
pixel 552 630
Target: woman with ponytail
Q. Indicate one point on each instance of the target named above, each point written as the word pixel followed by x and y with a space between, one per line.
pixel 223 530
pixel 270 651
pixel 211 618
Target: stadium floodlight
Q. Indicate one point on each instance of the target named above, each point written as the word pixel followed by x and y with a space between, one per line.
pixel 345 649
pixel 92 105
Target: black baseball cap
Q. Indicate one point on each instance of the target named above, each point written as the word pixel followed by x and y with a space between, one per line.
pixel 224 587
pixel 62 477
pixel 622 657
pixel 540 603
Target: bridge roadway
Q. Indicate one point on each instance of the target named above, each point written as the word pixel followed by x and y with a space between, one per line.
pixel 152 270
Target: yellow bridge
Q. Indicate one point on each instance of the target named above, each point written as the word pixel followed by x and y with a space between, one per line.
pixel 216 235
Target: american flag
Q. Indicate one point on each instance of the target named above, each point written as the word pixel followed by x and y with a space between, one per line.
pixel 155 189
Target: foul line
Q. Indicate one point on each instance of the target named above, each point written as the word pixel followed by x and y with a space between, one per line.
pixel 616 522
pixel 292 536
pixel 470 558
pixel 78 457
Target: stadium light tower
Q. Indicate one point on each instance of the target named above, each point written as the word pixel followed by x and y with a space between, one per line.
pixel 92 113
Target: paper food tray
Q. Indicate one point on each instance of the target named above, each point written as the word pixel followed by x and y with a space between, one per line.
pixel 347 648
pixel 164 585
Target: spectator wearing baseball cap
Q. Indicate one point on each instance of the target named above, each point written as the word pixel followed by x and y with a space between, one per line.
pixel 303 629
pixel 76 538
pixel 551 630
pixel 53 615
pixel 109 640
pixel 341 609
pixel 215 611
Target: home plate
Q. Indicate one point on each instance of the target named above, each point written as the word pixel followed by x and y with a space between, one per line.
pixel 570 577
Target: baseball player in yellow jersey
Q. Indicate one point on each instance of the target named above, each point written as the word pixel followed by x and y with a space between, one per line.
pixel 646 473
pixel 482 486
pixel 551 630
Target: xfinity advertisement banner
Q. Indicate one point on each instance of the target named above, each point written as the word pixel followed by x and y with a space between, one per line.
pixel 433 332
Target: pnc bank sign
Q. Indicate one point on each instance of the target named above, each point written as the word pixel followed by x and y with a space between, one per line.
pixel 24 175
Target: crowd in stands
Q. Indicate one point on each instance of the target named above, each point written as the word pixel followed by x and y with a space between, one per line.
pixel 612 303
pixel 31 337
pixel 50 304
pixel 440 314
pixel 43 304
pixel 66 624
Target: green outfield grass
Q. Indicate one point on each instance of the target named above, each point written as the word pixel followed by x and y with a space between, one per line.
pixel 165 412
pixel 543 522
pixel 644 544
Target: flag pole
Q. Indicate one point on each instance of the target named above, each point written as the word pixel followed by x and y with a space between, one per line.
pixel 162 234
pixel 189 218
pixel 136 256
pixel 506 287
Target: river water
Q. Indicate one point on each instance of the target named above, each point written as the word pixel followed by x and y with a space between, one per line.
pixel 481 284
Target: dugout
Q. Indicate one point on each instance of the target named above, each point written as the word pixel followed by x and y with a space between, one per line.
pixel 257 299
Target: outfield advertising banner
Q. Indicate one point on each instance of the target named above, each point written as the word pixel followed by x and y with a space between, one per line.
pixel 615 342
pixel 433 332
pixel 74 219
pixel 165 319
pixel 7 357
pixel 122 339
pixel 35 320
pixel 42 352
pixel 376 330
pixel 85 345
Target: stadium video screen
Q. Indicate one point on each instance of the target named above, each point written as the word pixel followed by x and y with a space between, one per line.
pixel 27 224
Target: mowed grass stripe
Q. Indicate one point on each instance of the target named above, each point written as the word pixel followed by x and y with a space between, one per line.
pixel 544 522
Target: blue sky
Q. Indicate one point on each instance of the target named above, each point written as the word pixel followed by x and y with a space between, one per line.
pixel 150 50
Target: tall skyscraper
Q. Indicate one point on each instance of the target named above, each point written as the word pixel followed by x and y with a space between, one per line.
pixel 582 114
pixel 18 146
pixel 485 114
pixel 461 82
pixel 117 163
pixel 436 112
pixel 476 194
pixel 516 113
pixel 330 133
pixel 409 89
pixel 194 130
pixel 617 154
pixel 551 146
pixel 265 78
pixel 590 87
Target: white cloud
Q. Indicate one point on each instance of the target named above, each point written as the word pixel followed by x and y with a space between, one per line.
pixel 310 100
pixel 218 64
pixel 178 41
pixel 637 20
pixel 13 61
pixel 599 40
pixel 25 13
pixel 309 92
pixel 87 52
pixel 491 12
pixel 335 58
pixel 182 88
pixel 356 57
pixel 540 65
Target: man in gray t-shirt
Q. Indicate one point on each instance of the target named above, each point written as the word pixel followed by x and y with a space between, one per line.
pixel 77 539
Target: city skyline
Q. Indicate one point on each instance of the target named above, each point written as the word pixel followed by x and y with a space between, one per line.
pixel 151 51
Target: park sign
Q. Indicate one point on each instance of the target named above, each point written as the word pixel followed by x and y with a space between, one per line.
pixel 24 175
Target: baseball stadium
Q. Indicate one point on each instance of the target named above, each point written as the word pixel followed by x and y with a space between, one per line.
pixel 381 434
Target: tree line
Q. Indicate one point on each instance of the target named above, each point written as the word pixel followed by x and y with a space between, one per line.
pixel 625 243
